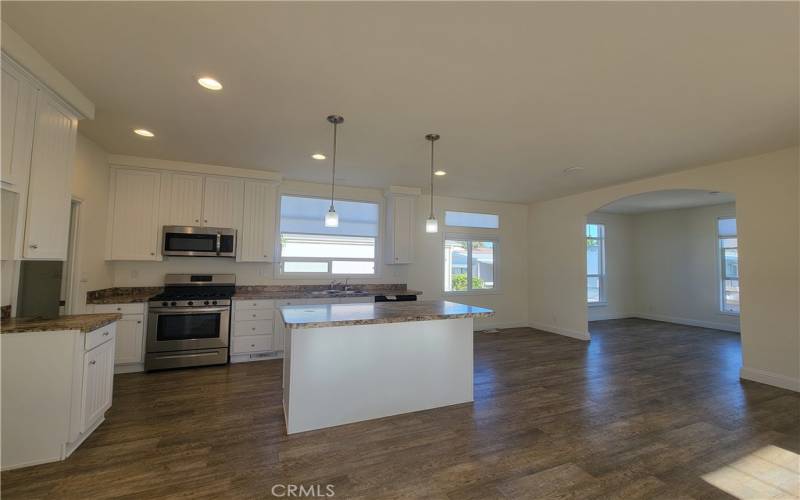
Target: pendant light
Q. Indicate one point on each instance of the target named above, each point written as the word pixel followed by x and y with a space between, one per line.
pixel 431 225
pixel 331 217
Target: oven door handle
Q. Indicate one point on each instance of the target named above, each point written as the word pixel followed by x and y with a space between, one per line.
pixel 188 310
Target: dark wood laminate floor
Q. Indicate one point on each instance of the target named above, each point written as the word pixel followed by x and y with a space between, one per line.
pixel 642 411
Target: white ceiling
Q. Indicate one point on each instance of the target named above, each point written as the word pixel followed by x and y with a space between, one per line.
pixel 518 91
pixel 666 200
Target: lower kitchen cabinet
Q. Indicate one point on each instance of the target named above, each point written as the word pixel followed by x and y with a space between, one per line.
pixel 130 345
pixel 56 389
pixel 253 331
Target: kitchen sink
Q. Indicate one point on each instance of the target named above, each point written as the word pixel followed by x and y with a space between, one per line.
pixel 339 293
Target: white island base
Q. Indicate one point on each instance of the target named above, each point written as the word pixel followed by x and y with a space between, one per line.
pixel 342 374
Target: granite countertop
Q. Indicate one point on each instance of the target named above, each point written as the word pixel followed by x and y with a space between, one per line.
pixel 310 294
pixel 324 315
pixel 82 322
pixel 129 295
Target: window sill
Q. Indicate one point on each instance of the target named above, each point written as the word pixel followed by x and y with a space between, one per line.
pixel 597 304
pixel 473 292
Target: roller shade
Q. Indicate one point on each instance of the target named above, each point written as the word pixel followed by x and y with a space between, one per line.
pixel 301 215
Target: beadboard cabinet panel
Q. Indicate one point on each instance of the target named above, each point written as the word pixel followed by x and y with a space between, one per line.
pixel 257 238
pixel 18 117
pixel 134 227
pixel 222 199
pixel 185 200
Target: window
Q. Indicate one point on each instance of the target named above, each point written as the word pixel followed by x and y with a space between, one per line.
pixel 729 265
pixel 309 248
pixel 595 263
pixel 469 264
pixel 468 219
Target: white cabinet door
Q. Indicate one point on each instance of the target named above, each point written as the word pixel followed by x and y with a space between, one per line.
pixel 19 112
pixel 257 238
pixel 134 224
pixel 98 383
pixel 185 200
pixel 130 340
pixel 48 207
pixel 222 200
pixel 400 230
pixel 279 332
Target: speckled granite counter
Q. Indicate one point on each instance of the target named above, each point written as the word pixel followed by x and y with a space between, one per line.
pixel 325 315
pixel 128 295
pixel 82 322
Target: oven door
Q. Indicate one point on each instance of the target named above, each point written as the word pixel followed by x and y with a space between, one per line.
pixel 187 328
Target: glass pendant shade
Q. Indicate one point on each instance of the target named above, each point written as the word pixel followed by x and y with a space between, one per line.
pixel 331 218
pixel 431 225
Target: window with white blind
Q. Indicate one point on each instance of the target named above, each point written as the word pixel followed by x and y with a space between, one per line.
pixel 595 263
pixel 729 265
pixel 308 248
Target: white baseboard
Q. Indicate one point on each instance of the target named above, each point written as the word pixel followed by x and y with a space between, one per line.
pixel 602 316
pixel 129 368
pixel 500 326
pixel 559 331
pixel 688 322
pixel 770 378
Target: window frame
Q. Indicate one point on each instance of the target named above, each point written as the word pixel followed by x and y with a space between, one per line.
pixel 601 277
pixel 474 228
pixel 279 273
pixel 721 272
pixel 470 238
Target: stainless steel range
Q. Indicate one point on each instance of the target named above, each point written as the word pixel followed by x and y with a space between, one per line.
pixel 189 323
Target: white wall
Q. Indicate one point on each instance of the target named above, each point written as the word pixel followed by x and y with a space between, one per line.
pixel 766 192
pixel 677 267
pixel 510 301
pixel 620 269
pixel 90 185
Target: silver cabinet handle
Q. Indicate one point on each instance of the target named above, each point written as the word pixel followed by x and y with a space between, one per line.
pixel 106 334
pixel 138 322
pixel 197 220
pixel 206 221
pixel 152 253
pixel 93 362
pixel 34 246
pixel 254 315
pixel 119 309
pixel 252 345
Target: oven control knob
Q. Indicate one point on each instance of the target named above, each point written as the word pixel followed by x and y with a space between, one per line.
pixel 205 303
pixel 173 303
pixel 190 303
pixel 165 303
pixel 214 302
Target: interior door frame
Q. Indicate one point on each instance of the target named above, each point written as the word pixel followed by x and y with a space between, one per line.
pixel 72 272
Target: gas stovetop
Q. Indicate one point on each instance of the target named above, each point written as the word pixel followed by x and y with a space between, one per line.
pixel 195 291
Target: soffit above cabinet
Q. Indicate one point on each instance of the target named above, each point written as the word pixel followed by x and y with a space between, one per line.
pixel 195 168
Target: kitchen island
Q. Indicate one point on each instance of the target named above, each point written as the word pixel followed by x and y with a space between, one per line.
pixel 346 363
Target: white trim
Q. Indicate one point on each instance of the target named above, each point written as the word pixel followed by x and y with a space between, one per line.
pixel 689 322
pixel 605 315
pixel 26 56
pixel 129 368
pixel 197 168
pixel 403 191
pixel 559 331
pixel 470 237
pixel 770 378
pixel 499 326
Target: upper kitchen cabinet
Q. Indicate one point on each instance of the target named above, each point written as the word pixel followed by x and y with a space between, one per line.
pixel 400 224
pixel 198 200
pixel 18 117
pixel 49 186
pixel 257 238
pixel 222 202
pixel 133 224
pixel 185 200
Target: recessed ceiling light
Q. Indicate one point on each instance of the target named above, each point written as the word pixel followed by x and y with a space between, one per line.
pixel 143 132
pixel 573 170
pixel 318 156
pixel 440 173
pixel 209 83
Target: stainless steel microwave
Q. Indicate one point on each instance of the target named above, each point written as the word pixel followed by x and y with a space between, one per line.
pixel 192 241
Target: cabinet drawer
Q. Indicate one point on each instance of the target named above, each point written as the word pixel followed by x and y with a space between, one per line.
pixel 254 304
pixel 291 302
pixel 99 336
pixel 263 327
pixel 135 308
pixel 255 343
pixel 254 314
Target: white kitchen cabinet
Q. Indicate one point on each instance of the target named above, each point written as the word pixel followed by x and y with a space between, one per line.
pixel 185 200
pixel 400 229
pixel 130 340
pixel 56 388
pixel 49 187
pixel 134 229
pixel 98 381
pixel 18 117
pixel 222 202
pixel 257 238
pixel 253 334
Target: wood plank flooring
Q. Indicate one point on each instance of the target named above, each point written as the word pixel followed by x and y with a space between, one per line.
pixel 642 411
